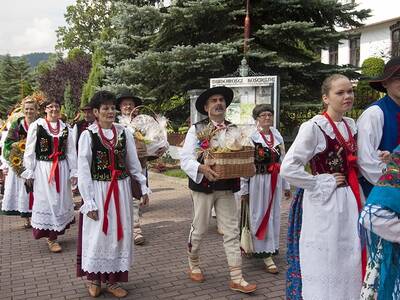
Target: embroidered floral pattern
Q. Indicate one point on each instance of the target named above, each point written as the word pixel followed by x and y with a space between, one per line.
pixel 102 160
pixel 392 174
pixel 335 162
pixel 44 144
pixel 332 160
pixel 263 157
pixel 120 156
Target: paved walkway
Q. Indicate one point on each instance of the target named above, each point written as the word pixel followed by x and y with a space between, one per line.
pixel 29 271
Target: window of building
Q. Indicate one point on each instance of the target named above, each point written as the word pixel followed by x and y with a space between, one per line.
pixel 333 54
pixel 355 51
pixel 395 39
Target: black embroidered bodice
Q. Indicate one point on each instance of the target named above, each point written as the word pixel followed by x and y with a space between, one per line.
pixel 264 157
pixel 331 160
pixel 45 143
pixel 101 161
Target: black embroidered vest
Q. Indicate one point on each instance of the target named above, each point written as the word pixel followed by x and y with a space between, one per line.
pixel 264 157
pixel 44 144
pixel 206 186
pixel 101 160
pixel 331 160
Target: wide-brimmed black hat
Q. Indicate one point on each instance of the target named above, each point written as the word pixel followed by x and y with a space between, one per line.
pixel 391 68
pixel 86 107
pixel 218 90
pixel 126 94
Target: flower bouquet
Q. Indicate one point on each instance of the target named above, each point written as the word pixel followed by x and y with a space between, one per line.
pixel 230 152
pixel 16 156
pixel 150 134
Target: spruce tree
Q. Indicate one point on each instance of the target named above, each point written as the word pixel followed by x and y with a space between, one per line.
pixel 163 52
pixel 16 82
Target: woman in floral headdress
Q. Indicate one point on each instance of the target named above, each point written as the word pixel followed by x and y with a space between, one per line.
pixel 16 197
pixel 50 169
pixel 381 227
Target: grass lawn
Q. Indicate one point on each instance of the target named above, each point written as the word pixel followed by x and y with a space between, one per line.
pixel 175 173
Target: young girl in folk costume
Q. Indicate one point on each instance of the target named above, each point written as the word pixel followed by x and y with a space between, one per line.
pixel 107 155
pixel 16 198
pixel 50 168
pixel 330 253
pixel 265 188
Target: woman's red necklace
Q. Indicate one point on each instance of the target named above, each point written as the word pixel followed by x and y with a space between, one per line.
pixel 53 131
pixel 350 145
pixel 270 142
pixel 109 143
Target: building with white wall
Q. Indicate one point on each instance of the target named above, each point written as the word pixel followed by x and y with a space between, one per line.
pixel 378 37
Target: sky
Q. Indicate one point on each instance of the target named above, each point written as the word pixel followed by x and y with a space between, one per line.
pixel 29 25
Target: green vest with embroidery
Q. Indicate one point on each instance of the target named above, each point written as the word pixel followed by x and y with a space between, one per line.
pixel 45 143
pixel 101 161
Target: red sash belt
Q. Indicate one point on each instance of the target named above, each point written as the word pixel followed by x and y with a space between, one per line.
pixel 263 228
pixel 352 179
pixel 113 189
pixel 54 171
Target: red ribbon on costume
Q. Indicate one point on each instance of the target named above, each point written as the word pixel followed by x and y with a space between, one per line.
pixel 30 200
pixel 113 187
pixel 55 171
pixel 352 178
pixel 273 169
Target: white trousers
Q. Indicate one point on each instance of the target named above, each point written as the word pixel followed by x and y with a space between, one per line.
pixel 227 219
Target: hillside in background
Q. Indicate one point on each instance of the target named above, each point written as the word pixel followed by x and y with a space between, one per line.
pixel 33 58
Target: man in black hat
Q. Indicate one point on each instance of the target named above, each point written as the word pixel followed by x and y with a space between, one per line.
pixel 81 125
pixel 208 191
pixel 127 104
pixel 379 126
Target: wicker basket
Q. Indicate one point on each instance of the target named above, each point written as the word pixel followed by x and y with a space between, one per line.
pixel 140 148
pixel 232 164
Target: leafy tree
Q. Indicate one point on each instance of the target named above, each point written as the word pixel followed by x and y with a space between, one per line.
pixel 163 52
pixel 74 53
pixel 372 67
pixel 45 66
pixel 364 94
pixel 73 71
pixel 86 19
pixel 16 82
